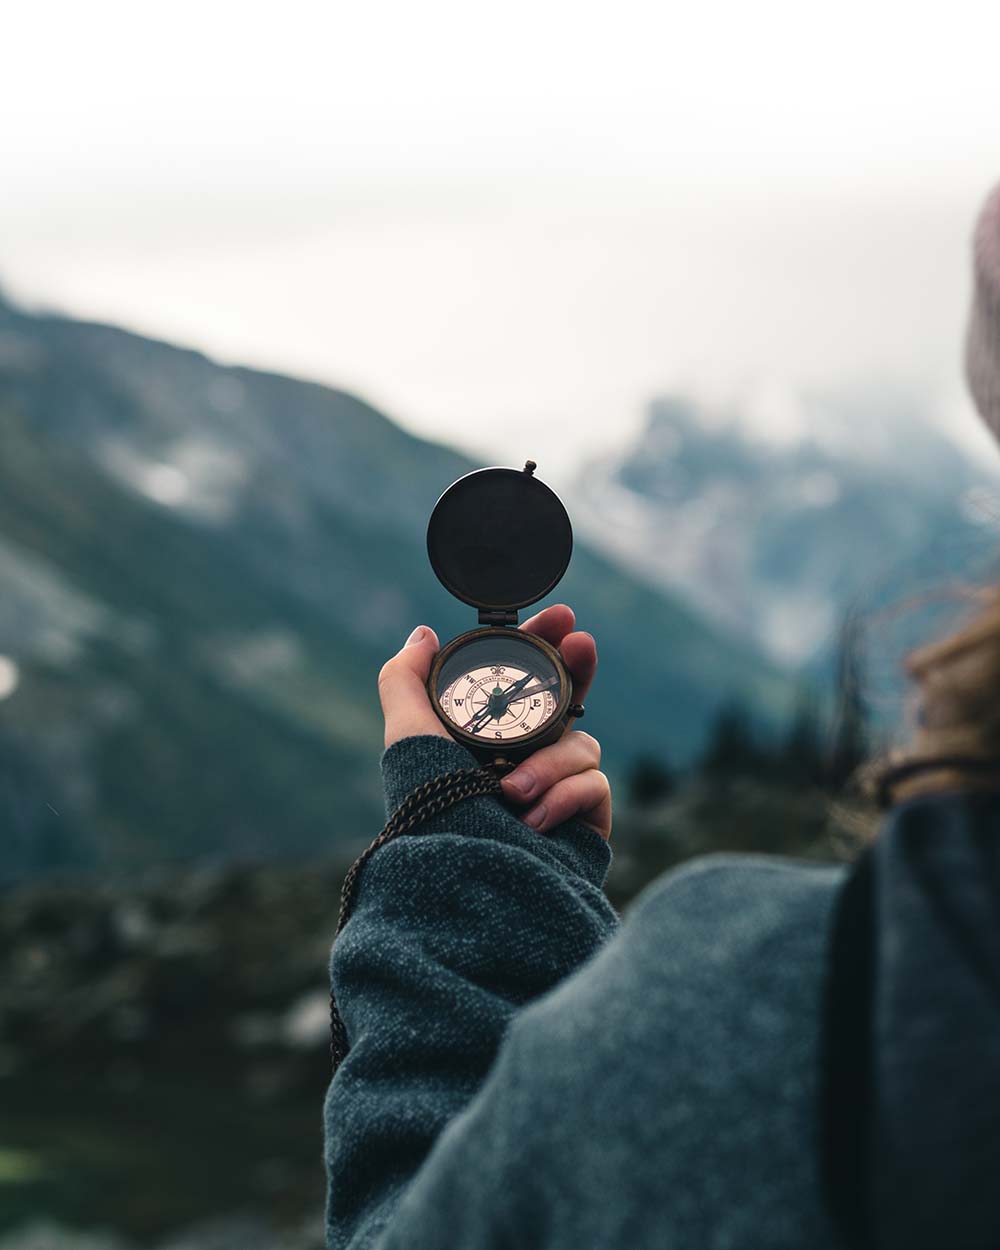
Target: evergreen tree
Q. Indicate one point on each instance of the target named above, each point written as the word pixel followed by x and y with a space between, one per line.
pixel 851 743
pixel 800 759
pixel 731 749
pixel 650 780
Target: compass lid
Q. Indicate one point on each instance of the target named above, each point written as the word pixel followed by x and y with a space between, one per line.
pixel 499 538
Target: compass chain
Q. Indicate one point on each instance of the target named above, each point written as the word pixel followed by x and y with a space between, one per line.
pixel 420 804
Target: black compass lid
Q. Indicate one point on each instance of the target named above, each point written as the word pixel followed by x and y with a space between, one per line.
pixel 499 538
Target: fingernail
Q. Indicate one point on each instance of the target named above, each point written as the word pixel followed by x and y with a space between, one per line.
pixel 522 783
pixel 536 816
pixel 417 634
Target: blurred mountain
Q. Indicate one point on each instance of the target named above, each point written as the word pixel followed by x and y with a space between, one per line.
pixel 868 505
pixel 204 568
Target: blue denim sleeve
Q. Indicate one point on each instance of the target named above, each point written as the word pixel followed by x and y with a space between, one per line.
pixel 456 926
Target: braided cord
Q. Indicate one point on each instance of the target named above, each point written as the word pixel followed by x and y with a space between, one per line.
pixel 420 804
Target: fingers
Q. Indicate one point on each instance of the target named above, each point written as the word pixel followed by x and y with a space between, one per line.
pixel 574 753
pixel 552 624
pixel 579 653
pixel 561 782
pixel 585 797
pixel 578 650
pixel 402 689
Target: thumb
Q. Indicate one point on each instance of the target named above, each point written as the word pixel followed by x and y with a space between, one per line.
pixel 402 688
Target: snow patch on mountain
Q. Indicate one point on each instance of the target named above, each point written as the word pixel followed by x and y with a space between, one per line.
pixel 42 615
pixel 198 476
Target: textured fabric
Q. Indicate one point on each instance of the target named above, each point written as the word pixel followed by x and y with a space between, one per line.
pixel 847 1057
pixel 936 1037
pixel 454 929
pixel 525 1072
pixel 641 1081
pixel 982 355
pixel 911 1130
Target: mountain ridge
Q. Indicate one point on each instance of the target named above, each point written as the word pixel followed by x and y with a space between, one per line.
pixel 208 565
pixel 783 540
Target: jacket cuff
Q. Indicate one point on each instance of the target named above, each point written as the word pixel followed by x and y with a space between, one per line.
pixel 411 762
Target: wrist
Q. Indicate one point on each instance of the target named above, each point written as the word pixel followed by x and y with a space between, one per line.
pixel 411 761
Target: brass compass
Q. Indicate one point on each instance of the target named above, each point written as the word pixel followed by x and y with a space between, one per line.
pixel 499 539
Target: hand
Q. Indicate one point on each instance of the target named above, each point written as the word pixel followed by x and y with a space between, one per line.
pixel 402 689
pixel 561 782
pixel 564 777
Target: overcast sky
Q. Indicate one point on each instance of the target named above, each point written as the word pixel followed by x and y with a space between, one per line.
pixel 510 225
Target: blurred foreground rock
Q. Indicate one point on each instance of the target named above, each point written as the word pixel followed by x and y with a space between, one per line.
pixel 221 960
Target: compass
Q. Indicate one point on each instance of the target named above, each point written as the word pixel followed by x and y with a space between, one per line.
pixel 500 539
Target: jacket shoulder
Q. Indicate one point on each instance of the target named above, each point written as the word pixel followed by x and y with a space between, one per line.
pixel 692 1038
pixel 725 907
pixel 704 943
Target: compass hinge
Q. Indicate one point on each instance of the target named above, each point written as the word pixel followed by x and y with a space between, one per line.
pixel 491 616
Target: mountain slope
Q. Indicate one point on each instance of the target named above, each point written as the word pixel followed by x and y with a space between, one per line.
pixel 204 568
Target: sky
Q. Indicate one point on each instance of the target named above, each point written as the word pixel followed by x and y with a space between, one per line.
pixel 510 227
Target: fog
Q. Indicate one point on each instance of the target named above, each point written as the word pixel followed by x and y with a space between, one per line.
pixel 510 230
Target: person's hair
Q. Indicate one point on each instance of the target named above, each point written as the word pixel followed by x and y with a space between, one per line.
pixel 957 714
pixel 957 679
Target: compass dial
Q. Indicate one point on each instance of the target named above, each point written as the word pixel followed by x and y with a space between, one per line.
pixel 499 688
pixel 500 701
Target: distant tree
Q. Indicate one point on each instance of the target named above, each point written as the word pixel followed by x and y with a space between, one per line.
pixel 650 780
pixel 800 759
pixel 732 748
pixel 851 738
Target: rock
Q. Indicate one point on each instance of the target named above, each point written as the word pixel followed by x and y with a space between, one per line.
pixel 306 1025
pixel 133 924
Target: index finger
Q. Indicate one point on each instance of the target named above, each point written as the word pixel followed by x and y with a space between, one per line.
pixel 578 650
pixel 579 653
pixel 552 624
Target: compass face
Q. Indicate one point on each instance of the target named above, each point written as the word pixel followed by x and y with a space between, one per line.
pixel 499 688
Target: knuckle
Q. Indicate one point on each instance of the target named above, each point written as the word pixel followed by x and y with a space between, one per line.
pixel 385 676
pixel 592 745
